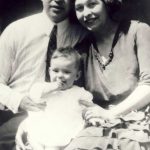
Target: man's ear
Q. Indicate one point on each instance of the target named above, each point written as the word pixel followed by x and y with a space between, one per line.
pixel 78 75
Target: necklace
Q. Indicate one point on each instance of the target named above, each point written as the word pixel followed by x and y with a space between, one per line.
pixel 102 61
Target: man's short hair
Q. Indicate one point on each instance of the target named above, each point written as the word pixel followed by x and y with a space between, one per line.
pixel 68 53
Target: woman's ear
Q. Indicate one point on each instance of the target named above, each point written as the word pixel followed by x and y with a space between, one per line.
pixel 78 75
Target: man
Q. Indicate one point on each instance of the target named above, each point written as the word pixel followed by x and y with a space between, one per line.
pixel 23 48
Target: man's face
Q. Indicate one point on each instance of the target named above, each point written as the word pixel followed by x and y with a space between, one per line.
pixel 57 10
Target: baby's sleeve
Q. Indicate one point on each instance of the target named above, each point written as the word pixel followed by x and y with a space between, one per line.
pixel 86 95
pixel 36 92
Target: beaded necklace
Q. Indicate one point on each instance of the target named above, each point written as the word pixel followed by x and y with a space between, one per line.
pixel 101 61
pixel 105 62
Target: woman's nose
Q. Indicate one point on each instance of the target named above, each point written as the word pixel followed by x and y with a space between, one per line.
pixel 87 13
pixel 59 1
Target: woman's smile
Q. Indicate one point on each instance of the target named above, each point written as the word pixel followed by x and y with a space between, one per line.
pixel 90 21
pixel 92 14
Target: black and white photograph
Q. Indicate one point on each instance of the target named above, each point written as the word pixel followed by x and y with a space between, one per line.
pixel 74 74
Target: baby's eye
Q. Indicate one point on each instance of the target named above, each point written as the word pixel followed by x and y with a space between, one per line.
pixel 67 72
pixel 79 8
pixel 55 70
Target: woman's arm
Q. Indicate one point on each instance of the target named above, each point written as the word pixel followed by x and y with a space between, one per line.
pixel 141 95
pixel 139 98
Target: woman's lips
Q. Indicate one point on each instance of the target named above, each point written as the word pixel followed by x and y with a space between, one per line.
pixel 90 21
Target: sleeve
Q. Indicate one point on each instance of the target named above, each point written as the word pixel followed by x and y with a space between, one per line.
pixel 143 52
pixel 36 91
pixel 86 95
pixel 8 97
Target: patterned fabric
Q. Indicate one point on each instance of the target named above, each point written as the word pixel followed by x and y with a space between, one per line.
pixel 131 132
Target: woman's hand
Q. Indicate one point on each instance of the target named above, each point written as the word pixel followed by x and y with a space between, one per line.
pixel 95 111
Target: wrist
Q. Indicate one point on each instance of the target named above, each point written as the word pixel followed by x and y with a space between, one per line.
pixel 113 114
pixel 22 106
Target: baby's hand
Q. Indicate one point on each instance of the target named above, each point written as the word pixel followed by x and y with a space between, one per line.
pixel 57 85
pixel 52 86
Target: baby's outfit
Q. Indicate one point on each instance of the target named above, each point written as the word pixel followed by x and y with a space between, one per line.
pixel 61 120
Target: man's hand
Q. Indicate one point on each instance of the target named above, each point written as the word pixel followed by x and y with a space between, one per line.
pixel 28 105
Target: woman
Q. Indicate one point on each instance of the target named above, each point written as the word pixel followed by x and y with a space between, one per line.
pixel 118 74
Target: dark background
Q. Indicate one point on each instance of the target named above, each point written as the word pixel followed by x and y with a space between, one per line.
pixel 11 10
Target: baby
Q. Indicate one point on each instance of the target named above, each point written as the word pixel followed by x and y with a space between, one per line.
pixel 53 128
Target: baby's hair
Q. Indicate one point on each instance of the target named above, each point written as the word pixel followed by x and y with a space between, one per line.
pixel 68 52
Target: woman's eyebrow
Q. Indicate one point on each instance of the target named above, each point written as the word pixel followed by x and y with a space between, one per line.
pixel 92 0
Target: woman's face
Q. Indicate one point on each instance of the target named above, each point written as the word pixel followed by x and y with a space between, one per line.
pixel 92 14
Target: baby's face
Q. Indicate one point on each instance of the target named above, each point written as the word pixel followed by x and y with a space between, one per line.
pixel 63 70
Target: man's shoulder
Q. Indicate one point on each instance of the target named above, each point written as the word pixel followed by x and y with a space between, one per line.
pixel 23 24
pixel 26 27
pixel 29 20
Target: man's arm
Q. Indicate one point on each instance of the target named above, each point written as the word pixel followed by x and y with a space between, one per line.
pixel 9 97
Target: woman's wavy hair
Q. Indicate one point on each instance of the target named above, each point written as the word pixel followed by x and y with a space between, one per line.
pixel 72 14
pixel 112 6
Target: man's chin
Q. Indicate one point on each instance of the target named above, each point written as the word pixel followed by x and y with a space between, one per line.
pixel 56 17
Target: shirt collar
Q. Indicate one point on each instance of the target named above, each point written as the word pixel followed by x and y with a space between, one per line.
pixel 48 24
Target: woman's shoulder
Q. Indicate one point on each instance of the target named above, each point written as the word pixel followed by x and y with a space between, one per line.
pixel 141 30
pixel 138 24
pixel 134 24
pixel 134 27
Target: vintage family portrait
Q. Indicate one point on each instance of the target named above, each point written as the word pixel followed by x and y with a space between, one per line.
pixel 74 75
